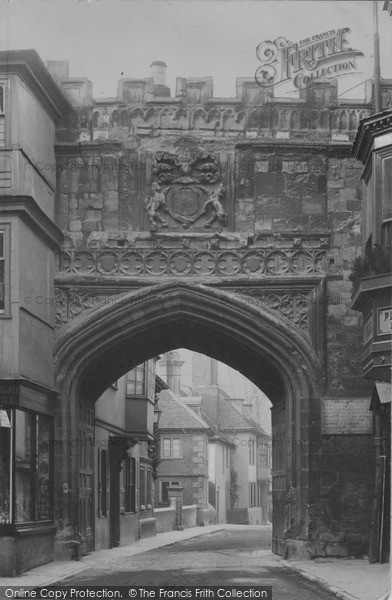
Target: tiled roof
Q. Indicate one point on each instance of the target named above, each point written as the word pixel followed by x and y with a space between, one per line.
pixel 231 418
pixel 176 414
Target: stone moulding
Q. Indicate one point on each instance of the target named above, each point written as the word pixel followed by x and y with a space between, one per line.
pixel 294 306
pixel 142 119
pixel 192 262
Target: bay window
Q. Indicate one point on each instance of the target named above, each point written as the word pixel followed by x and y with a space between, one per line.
pixel 136 381
pixel 141 380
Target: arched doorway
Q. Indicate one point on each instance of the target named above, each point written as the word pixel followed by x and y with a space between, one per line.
pixel 104 343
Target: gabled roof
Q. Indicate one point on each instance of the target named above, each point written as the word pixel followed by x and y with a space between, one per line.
pixel 231 418
pixel 176 414
pixel 218 434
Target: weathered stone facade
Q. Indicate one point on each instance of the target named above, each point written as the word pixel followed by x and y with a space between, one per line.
pixel 254 196
pixel 226 226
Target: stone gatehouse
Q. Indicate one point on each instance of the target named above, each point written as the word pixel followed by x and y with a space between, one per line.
pixel 226 226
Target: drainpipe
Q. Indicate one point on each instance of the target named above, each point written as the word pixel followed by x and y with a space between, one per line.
pixel 378 439
pixel 377 70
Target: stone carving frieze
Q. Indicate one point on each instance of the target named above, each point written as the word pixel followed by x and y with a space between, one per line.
pixel 193 262
pixel 186 188
pixel 71 303
pixel 184 118
pixel 227 118
pixel 295 306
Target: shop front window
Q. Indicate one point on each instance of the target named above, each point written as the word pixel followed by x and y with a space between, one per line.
pixel 5 467
pixel 31 458
pixel 24 466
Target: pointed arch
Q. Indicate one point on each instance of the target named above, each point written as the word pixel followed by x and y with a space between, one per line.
pixel 104 342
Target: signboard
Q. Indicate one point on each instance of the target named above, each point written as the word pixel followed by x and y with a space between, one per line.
pixel 384 320
pixel 9 394
pixel 346 416
pixel 4 420
pixel 324 55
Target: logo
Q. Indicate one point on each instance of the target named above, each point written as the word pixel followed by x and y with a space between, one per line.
pixel 324 55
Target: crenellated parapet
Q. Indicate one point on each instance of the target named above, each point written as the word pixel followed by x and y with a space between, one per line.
pixel 144 107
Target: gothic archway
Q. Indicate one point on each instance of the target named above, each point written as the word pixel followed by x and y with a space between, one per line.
pixel 103 343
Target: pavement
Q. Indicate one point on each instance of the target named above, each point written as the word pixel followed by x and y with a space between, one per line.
pixel 347 579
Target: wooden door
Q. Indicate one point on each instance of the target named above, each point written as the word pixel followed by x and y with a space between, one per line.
pixel 86 477
pixel 279 460
pixel 114 495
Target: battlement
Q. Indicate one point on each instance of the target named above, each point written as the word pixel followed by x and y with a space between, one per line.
pixel 145 107
pixel 200 90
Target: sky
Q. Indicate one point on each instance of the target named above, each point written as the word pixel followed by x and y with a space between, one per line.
pixel 106 40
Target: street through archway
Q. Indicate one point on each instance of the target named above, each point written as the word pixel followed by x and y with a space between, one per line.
pixel 235 556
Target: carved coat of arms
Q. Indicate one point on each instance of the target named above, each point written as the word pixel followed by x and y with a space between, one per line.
pixel 186 188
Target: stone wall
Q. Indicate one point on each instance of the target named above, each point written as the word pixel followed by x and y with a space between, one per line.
pixel 190 470
pixel 342 523
pixel 165 518
pixel 244 516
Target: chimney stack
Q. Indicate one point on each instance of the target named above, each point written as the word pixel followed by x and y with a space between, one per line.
pixel 173 363
pixel 158 73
